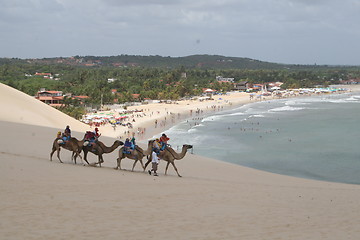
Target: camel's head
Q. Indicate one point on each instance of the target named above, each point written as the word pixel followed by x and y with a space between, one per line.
pixel 118 142
pixel 188 146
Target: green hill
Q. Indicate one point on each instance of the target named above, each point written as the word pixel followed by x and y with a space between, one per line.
pixel 193 61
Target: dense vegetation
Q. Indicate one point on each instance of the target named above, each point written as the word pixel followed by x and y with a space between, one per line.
pixel 157 77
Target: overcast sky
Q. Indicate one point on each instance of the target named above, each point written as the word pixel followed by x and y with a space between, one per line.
pixel 282 31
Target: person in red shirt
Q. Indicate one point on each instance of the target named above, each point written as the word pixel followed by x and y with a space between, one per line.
pixel 92 137
pixel 163 140
pixel 97 134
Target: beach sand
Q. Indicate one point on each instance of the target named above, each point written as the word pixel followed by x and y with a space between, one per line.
pixel 41 199
pixel 170 114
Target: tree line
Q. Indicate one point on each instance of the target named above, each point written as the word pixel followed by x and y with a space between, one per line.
pixel 155 83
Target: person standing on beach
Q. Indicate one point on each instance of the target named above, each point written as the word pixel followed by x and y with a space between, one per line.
pixel 156 146
pixel 154 163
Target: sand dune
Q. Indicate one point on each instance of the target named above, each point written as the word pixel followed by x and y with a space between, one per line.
pixel 213 200
pixel 19 107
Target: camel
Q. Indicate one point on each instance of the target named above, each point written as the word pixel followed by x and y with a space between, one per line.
pixel 169 155
pixel 100 149
pixel 71 145
pixel 137 154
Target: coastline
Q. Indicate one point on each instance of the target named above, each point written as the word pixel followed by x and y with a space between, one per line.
pixel 169 115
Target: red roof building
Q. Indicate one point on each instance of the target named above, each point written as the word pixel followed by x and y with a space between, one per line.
pixel 135 95
pixel 42 74
pixel 53 98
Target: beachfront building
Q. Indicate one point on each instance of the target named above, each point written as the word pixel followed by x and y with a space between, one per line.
pixel 53 98
pixel 56 98
pixel 241 86
pixel 351 81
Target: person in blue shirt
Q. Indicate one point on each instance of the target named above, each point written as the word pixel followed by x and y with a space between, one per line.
pixel 67 134
pixel 127 146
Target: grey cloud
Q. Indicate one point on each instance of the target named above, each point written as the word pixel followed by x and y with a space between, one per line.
pixel 274 30
pixel 120 3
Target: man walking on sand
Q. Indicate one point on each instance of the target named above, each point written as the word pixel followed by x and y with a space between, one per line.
pixel 154 163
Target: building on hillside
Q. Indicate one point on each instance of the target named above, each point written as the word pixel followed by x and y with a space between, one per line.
pixel 222 79
pixel 56 98
pixel 42 74
pixel 52 98
pixel 136 96
pixel 81 98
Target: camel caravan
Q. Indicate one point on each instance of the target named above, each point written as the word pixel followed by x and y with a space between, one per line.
pixel 90 143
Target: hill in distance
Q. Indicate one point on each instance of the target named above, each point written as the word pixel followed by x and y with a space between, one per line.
pixel 193 61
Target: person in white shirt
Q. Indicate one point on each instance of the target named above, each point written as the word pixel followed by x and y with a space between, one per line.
pixel 154 163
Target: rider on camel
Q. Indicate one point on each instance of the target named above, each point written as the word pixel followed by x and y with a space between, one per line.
pixel 163 140
pixel 92 137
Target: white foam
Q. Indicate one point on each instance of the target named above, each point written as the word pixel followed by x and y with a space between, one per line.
pixel 346 100
pixel 296 103
pixel 285 108
pixel 211 118
pixel 192 130
pixel 237 114
pixel 257 116
pixel 197 125
pixel 214 118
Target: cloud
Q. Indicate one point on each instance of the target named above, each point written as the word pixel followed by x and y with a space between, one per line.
pixel 273 30
pixel 121 3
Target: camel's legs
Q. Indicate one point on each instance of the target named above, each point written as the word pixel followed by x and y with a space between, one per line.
pixel 142 164
pixel 85 156
pixel 147 163
pixel 175 169
pixel 172 163
pixel 76 154
pixel 58 154
pixel 134 165
pixel 118 163
pixel 82 161
pixel 52 152
pixel 101 160
pixel 167 165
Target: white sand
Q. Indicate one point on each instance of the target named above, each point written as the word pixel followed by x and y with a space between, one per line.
pixel 213 200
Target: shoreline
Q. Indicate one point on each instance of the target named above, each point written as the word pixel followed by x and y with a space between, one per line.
pixel 167 115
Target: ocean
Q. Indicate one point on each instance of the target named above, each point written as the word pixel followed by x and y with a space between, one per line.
pixel 314 137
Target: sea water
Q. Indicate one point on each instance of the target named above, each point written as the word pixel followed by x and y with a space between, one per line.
pixel 316 137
